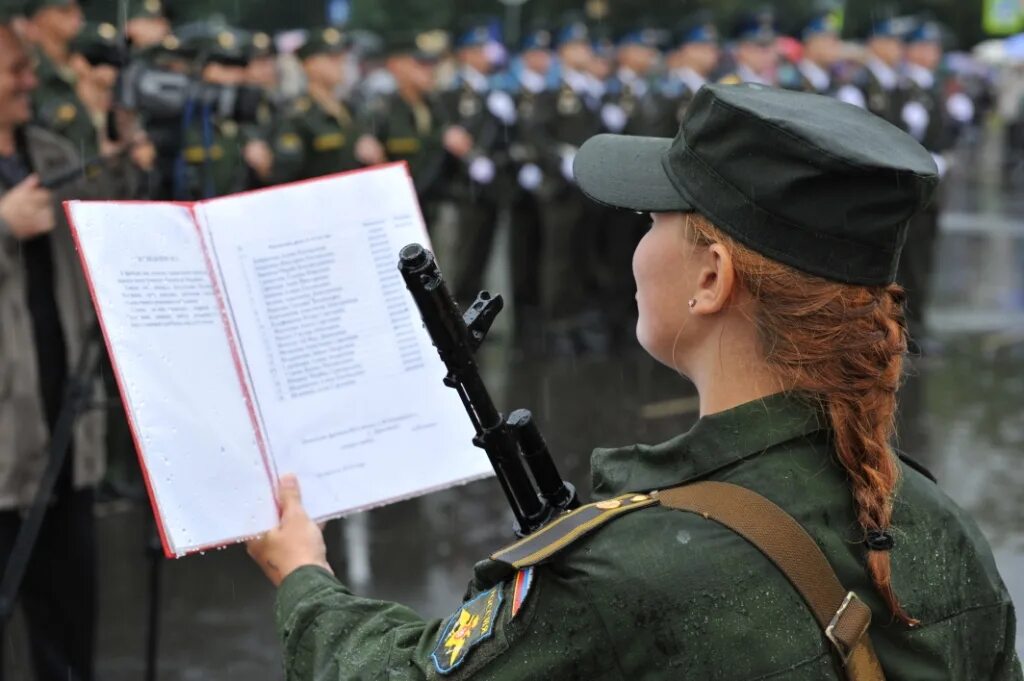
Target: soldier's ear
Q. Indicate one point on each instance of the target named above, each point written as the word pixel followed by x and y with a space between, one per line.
pixel 716 279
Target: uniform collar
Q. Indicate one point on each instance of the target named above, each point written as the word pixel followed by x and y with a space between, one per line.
pixel 577 80
pixel 924 78
pixel 749 75
pixel 632 80
pixel 815 75
pixel 533 81
pixel 884 74
pixel 690 78
pixel 474 79
pixel 714 442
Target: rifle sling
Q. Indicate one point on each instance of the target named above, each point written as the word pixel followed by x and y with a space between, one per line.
pixel 843 617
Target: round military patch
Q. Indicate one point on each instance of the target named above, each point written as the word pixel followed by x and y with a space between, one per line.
pixel 152 6
pixel 261 41
pixel 568 102
pixel 469 106
pixel 107 31
pixel 332 36
pixel 229 128
pixel 66 113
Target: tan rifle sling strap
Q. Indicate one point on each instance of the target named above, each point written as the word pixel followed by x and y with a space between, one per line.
pixel 841 614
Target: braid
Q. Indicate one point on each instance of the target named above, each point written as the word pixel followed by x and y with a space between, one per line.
pixel 842 345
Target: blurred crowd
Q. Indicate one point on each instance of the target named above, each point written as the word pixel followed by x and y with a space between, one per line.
pixel 205 109
pixel 149 110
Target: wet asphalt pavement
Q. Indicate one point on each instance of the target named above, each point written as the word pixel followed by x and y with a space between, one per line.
pixel 962 415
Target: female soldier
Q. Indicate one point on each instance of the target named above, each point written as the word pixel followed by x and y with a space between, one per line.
pixel 766 279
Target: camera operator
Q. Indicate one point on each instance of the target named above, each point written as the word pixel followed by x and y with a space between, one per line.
pixel 45 318
pixel 220 157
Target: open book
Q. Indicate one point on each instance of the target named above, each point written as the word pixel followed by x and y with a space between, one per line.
pixel 271 332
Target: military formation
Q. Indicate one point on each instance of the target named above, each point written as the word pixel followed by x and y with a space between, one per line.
pixel 487 130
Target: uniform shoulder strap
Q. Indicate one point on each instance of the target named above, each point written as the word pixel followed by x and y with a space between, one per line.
pixel 841 614
pixel 566 529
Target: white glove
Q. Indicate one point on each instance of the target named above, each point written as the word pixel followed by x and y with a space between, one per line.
pixel 942 164
pixel 916 117
pixel 567 159
pixel 502 107
pixel 613 117
pixel 851 95
pixel 530 177
pixel 960 107
pixel 481 170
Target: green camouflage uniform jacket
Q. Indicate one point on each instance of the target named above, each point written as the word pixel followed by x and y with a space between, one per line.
pixel 662 594
pixel 413 134
pixel 310 141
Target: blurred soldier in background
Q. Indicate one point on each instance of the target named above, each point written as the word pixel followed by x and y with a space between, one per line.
pixel 217 157
pixel 822 50
pixel 529 77
pixel 879 80
pixel 147 24
pixel 261 70
pixel 486 115
pixel 690 63
pixel 928 116
pixel 321 133
pixel 754 51
pixel 633 106
pixel 570 115
pixel 83 118
pixel 80 114
pixel 410 123
pixel 51 26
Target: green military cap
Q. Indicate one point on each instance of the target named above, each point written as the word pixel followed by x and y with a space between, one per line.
pixel 11 9
pixel 33 6
pixel 211 43
pixel 329 40
pixel 99 43
pixel 147 9
pixel 806 180
pixel 261 45
pixel 428 45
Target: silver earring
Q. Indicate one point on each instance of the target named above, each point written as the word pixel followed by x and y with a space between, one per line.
pixel 693 303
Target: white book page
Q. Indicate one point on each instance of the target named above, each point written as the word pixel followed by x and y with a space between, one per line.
pixel 346 381
pixel 207 478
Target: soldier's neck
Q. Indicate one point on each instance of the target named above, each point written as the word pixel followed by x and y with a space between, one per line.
pixel 55 50
pixel 323 95
pixel 410 94
pixel 8 146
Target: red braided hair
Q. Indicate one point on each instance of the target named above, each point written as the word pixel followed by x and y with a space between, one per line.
pixel 843 345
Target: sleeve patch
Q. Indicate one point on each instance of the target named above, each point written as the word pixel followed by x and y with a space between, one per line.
pixel 521 589
pixel 471 624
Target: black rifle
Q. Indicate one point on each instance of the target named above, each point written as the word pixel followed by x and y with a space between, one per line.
pixel 514 445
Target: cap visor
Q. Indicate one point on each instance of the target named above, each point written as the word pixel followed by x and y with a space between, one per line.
pixel 628 172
